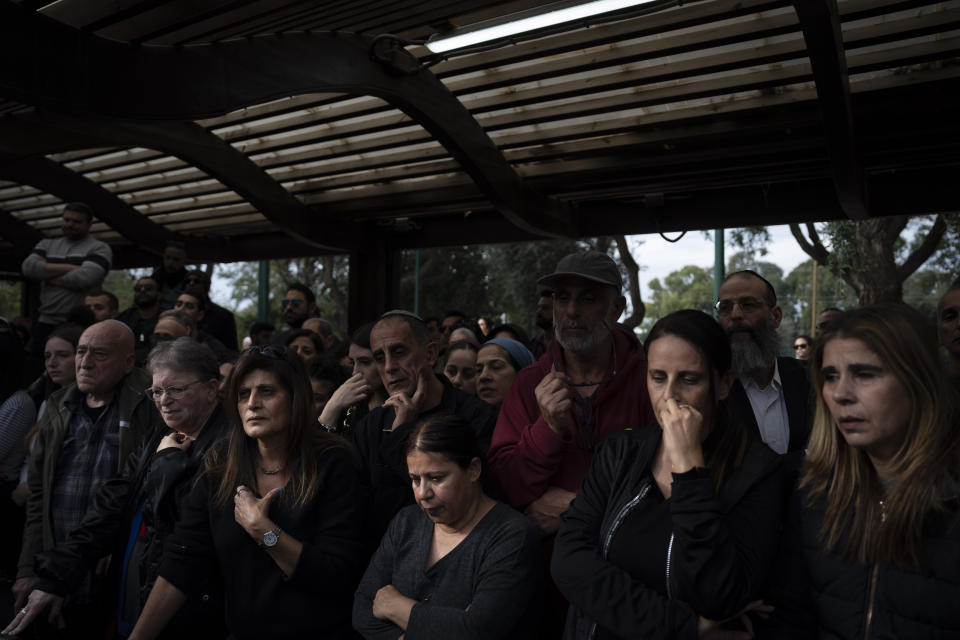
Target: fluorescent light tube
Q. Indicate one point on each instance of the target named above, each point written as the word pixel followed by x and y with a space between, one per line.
pixel 532 23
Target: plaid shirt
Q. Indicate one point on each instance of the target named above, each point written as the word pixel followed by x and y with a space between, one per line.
pixel 89 457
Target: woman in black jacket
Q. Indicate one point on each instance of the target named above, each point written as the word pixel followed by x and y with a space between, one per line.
pixel 880 489
pixel 133 514
pixel 675 525
pixel 276 511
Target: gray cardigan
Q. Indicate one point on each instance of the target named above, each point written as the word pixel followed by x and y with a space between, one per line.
pixel 487 587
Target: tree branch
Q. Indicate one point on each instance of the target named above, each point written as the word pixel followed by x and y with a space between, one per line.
pixel 892 227
pixel 633 283
pixel 813 247
pixel 919 255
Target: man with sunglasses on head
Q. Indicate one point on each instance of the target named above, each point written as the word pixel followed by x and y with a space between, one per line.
pixel 298 304
pixel 86 434
pixel 771 394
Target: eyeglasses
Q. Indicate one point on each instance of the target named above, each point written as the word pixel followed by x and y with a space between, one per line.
pixel 174 393
pixel 295 302
pixel 747 305
pixel 802 345
pixel 268 350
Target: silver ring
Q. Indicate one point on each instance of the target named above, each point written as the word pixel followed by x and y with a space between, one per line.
pixel 23 611
pixel 683 405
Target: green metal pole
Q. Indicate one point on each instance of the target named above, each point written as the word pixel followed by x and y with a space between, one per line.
pixel 416 282
pixel 719 263
pixel 263 290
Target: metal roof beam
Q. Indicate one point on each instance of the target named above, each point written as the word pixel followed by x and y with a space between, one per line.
pixel 44 131
pixel 820 22
pixel 52 177
pixel 49 64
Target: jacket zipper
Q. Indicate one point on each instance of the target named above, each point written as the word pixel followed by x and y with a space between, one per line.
pixel 873 579
pixel 669 559
pixel 617 521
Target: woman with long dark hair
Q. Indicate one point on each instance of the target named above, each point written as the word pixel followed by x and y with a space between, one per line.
pixel 880 487
pixel 676 524
pixel 277 511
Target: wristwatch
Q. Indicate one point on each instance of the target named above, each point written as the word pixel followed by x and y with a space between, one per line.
pixel 270 538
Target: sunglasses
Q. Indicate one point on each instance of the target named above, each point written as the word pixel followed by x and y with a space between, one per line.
pixel 295 303
pixel 195 280
pixel 268 350
pixel 144 287
pixel 797 347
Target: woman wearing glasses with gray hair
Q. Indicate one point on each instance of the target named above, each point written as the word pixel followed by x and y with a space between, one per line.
pixel 133 515
pixel 276 510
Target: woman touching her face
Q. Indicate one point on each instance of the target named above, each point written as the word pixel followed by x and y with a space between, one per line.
pixel 681 518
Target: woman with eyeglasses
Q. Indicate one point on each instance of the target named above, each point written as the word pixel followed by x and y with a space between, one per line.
pixel 135 513
pixel 879 498
pixel 676 524
pixel 277 511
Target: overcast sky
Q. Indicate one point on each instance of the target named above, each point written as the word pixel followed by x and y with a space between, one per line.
pixel 657 257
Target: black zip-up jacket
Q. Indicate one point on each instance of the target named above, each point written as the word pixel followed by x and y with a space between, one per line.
pixel 721 551
pixel 885 601
pixel 160 481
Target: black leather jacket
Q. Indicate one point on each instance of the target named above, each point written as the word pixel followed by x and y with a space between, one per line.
pixel 720 552
pixel 160 481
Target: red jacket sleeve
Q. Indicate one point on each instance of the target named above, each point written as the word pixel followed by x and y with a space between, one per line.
pixel 524 453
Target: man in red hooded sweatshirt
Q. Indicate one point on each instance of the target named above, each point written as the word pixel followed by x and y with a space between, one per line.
pixel 589 384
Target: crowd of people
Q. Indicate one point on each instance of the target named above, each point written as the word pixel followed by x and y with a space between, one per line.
pixel 447 477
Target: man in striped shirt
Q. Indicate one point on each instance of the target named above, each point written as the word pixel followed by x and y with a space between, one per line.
pixel 68 268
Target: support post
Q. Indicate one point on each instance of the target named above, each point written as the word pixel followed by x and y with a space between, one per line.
pixel 374 280
pixel 263 290
pixel 719 264
pixel 813 302
pixel 416 282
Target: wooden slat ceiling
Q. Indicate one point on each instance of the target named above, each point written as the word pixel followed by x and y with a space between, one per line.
pixel 707 114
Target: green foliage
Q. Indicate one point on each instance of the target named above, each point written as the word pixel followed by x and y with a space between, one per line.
pixel 120 283
pixel 515 269
pixel 688 288
pixel 752 241
pixel 10 292
pixel 796 295
pixel 496 281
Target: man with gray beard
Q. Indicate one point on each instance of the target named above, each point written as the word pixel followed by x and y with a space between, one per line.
pixel 771 394
pixel 589 384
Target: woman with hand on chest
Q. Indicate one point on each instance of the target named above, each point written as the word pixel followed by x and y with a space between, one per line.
pixel 276 512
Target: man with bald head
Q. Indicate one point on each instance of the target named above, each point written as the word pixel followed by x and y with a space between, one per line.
pixel 84 438
pixel 405 356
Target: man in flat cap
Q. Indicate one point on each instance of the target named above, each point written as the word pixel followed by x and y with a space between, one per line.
pixel 589 384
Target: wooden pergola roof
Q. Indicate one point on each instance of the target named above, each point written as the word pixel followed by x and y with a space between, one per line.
pixel 272 128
